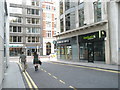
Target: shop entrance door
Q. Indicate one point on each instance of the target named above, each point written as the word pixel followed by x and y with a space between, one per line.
pixel 90 52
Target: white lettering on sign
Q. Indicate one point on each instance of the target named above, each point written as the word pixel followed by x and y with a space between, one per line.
pixel 64 41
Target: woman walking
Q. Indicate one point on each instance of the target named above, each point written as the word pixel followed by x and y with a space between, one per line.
pixel 35 61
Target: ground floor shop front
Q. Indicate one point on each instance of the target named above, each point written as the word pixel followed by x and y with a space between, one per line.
pixel 87 47
pixel 29 50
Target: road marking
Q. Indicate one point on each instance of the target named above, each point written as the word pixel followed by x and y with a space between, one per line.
pixel 55 77
pixel 41 69
pixel 62 81
pixel 89 68
pixel 49 74
pixel 27 80
pixel 72 87
pixel 35 86
pixel 26 75
pixel 45 71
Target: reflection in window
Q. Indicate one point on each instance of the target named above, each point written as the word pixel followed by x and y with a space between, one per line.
pixel 61 25
pixel 97 11
pixel 67 20
pixel 81 16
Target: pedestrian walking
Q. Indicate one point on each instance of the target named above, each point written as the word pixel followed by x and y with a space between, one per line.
pixel 22 60
pixel 35 61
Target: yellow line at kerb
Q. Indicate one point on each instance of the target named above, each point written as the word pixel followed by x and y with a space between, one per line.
pixel 29 84
pixel 29 80
pixel 89 68
pixel 62 81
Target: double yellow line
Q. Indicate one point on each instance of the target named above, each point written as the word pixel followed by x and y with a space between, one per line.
pixel 29 80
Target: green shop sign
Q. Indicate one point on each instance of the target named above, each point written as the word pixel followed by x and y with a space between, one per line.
pixel 89 37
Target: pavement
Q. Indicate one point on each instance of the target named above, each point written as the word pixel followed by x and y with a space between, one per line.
pixel 13 76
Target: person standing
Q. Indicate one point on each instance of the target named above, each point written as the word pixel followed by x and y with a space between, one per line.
pixel 35 61
pixel 22 59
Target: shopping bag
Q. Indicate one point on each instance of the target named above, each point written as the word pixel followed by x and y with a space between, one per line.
pixel 40 62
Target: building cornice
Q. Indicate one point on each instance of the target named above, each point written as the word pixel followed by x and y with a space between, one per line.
pixel 82 28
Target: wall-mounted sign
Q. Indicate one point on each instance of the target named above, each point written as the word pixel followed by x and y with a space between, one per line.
pixel 89 37
pixel 63 41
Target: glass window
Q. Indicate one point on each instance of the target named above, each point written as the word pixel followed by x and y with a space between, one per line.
pixel 28 11
pixel 61 7
pixel 67 4
pixel 15 19
pixel 10 28
pixel 29 39
pixel 33 39
pixel 14 38
pixel 14 29
pixel 37 12
pixel 81 17
pixel 97 11
pixel 28 30
pixel 19 29
pixel 37 3
pixel 28 20
pixel 67 19
pixel 19 38
pixel 37 20
pixel 37 39
pixel 33 11
pixel 19 19
pixel 10 38
pixel 33 20
pixel 61 25
pixel 33 30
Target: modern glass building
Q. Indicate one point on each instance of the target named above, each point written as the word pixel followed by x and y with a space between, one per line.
pixel 86 31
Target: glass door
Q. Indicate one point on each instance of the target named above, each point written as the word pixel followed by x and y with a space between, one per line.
pixel 90 52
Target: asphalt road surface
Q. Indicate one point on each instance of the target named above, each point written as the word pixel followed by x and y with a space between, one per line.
pixel 56 75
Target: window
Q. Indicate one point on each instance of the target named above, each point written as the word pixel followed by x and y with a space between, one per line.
pixel 15 20
pixel 81 17
pixel 19 29
pixel 33 21
pixel 28 30
pixel 97 11
pixel 14 38
pixel 67 19
pixel 32 39
pixel 48 33
pixel 80 2
pixel 32 30
pixel 67 4
pixel 48 24
pixel 61 25
pixel 61 7
pixel 37 21
pixel 37 39
pixel 19 38
pixel 29 39
pixel 37 11
pixel 15 29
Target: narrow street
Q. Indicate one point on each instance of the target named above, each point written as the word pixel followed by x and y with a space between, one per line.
pixel 56 75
